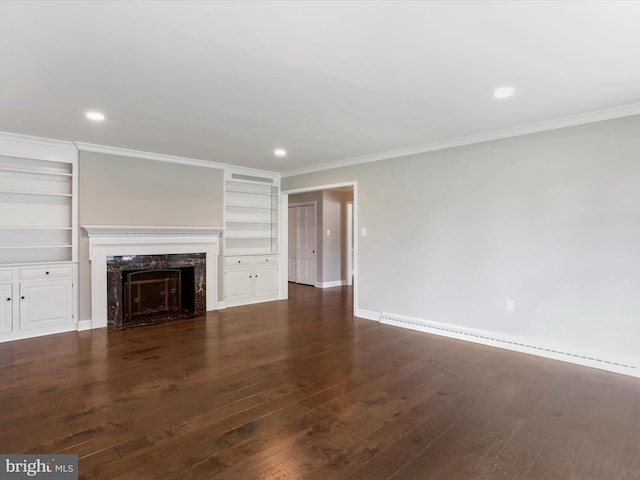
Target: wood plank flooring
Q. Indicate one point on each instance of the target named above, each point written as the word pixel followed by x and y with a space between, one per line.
pixel 299 389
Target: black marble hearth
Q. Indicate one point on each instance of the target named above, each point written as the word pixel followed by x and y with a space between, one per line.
pixel 192 268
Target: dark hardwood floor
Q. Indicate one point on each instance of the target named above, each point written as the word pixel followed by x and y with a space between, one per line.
pixel 300 389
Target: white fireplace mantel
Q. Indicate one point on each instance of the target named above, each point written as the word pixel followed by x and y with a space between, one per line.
pixel 112 240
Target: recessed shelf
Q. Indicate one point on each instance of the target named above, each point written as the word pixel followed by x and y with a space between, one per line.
pixel 249 222
pixel 21 246
pixel 251 207
pixel 242 236
pixel 263 194
pixel 44 194
pixel 35 172
pixel 33 228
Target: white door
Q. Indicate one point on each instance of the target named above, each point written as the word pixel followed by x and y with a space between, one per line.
pixel 238 283
pixel 306 244
pixel 265 281
pixel 293 226
pixel 6 307
pixel 45 304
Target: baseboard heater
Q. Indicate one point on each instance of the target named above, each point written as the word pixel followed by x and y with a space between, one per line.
pixel 519 345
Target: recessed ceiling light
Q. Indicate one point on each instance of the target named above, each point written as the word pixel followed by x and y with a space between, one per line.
pixel 503 92
pixel 280 152
pixel 95 116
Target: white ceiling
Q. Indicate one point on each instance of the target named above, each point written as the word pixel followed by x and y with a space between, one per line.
pixel 328 81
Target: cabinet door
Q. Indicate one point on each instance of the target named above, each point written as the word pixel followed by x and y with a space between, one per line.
pixel 265 281
pixel 45 303
pixel 6 308
pixel 237 283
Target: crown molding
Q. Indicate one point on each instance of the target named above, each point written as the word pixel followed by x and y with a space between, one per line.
pixel 252 171
pixel 160 157
pixel 26 146
pixel 49 142
pixel 563 122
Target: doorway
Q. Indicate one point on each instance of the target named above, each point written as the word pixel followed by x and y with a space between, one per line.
pixel 336 254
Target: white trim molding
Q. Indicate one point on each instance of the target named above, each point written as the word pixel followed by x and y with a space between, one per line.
pixel 531 346
pixel 111 240
pixel 161 157
pixel 368 314
pixel 84 325
pixel 117 231
pixel 25 146
pixel 563 122
pixel 335 283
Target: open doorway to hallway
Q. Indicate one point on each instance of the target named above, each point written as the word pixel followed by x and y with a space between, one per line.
pixel 321 245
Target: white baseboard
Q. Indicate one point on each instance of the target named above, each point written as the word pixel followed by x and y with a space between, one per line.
pixel 335 283
pixel 84 325
pixel 519 344
pixel 23 335
pixel 368 314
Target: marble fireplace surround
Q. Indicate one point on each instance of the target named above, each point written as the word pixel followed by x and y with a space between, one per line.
pixel 110 240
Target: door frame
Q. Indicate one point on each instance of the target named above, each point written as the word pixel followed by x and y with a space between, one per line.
pixel 350 238
pixel 284 235
pixel 314 204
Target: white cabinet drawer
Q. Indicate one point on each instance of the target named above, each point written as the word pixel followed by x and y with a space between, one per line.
pixel 265 260
pixel 257 260
pixel 6 275
pixel 49 272
pixel 237 261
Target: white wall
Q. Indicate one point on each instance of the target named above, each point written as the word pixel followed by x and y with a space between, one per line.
pixel 551 220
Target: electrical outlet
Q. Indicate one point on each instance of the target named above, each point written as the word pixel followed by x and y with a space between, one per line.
pixel 510 305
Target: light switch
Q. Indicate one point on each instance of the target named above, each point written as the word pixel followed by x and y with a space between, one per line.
pixel 328 232
pixel 364 231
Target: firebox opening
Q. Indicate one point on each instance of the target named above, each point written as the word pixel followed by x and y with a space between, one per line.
pixel 150 296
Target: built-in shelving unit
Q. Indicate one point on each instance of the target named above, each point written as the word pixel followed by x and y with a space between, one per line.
pixel 37 221
pixel 251 237
pixel 38 236
pixel 251 215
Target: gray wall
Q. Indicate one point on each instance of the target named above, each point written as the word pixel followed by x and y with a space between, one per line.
pixel 117 190
pixel 551 220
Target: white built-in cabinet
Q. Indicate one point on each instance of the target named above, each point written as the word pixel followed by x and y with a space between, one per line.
pixel 251 270
pixel 38 236
pixel 251 279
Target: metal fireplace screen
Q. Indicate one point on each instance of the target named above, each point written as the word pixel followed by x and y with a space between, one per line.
pixel 150 294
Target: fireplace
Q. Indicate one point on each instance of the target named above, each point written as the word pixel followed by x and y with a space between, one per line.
pixel 151 295
pixel 118 252
pixel 147 289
